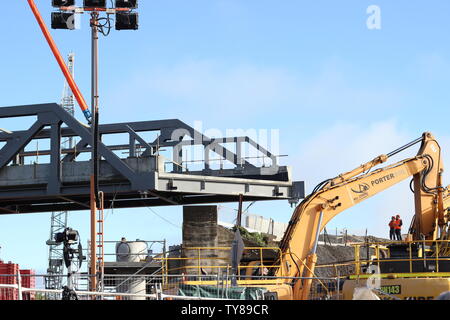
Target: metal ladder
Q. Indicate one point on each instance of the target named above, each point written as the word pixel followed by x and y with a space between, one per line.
pixel 100 251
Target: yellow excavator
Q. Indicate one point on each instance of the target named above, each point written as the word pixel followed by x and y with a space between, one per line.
pixel 430 223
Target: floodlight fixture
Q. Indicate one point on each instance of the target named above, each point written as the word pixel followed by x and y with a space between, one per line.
pixel 131 4
pixel 63 20
pixel 69 236
pixel 127 21
pixel 94 3
pixel 63 3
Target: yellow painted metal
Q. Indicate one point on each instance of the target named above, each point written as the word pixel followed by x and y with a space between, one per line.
pixel 201 259
pixel 357 264
pixel 410 257
pixel 404 275
pixel 427 288
pixel 437 256
pixel 304 292
pixel 264 282
pixel 427 206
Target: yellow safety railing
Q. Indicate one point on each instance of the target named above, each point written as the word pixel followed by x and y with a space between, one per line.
pixel 438 251
pixel 204 260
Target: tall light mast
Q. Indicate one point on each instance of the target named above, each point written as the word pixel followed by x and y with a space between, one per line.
pixel 101 22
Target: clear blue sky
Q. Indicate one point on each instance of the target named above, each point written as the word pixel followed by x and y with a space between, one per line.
pixel 339 93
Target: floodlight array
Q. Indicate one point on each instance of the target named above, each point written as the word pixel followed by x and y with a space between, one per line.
pixel 125 18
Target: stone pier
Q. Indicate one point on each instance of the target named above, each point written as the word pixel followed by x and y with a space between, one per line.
pixel 200 229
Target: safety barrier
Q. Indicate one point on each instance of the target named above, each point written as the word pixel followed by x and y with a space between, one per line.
pixel 202 259
pixel 162 287
pixel 424 258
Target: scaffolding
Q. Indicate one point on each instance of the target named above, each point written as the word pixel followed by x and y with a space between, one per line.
pixel 55 261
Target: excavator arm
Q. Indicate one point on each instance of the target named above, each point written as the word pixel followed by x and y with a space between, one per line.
pixel 333 196
pixel 429 219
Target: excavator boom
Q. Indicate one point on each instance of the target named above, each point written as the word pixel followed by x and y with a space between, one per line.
pixel 334 196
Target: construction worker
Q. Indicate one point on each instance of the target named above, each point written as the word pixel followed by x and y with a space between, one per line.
pixel 398 227
pixel 392 225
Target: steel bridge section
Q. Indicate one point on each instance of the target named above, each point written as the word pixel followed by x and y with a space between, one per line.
pixel 139 179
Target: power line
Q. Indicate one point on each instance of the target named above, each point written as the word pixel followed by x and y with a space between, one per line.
pixel 170 222
pixel 245 211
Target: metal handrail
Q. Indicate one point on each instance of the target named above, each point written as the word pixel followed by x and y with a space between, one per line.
pixel 199 258
pixel 381 245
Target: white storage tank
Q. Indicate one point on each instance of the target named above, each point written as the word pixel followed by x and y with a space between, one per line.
pixel 131 251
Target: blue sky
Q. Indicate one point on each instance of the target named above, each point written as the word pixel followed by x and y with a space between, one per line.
pixel 339 93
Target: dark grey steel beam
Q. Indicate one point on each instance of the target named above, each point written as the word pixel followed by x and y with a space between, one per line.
pixel 17 143
pixel 54 181
pixel 133 181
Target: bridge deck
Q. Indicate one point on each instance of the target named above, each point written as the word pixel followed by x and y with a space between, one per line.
pixel 58 180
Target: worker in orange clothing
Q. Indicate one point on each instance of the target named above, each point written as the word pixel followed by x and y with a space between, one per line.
pixel 392 225
pixel 398 227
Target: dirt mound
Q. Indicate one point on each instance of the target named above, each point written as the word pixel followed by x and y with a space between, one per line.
pixel 335 251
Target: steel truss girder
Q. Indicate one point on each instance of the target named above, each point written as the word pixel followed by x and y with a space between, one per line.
pixel 138 180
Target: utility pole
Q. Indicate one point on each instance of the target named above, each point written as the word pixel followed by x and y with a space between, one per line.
pixel 94 173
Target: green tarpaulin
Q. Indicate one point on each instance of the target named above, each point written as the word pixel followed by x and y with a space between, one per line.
pixel 238 293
